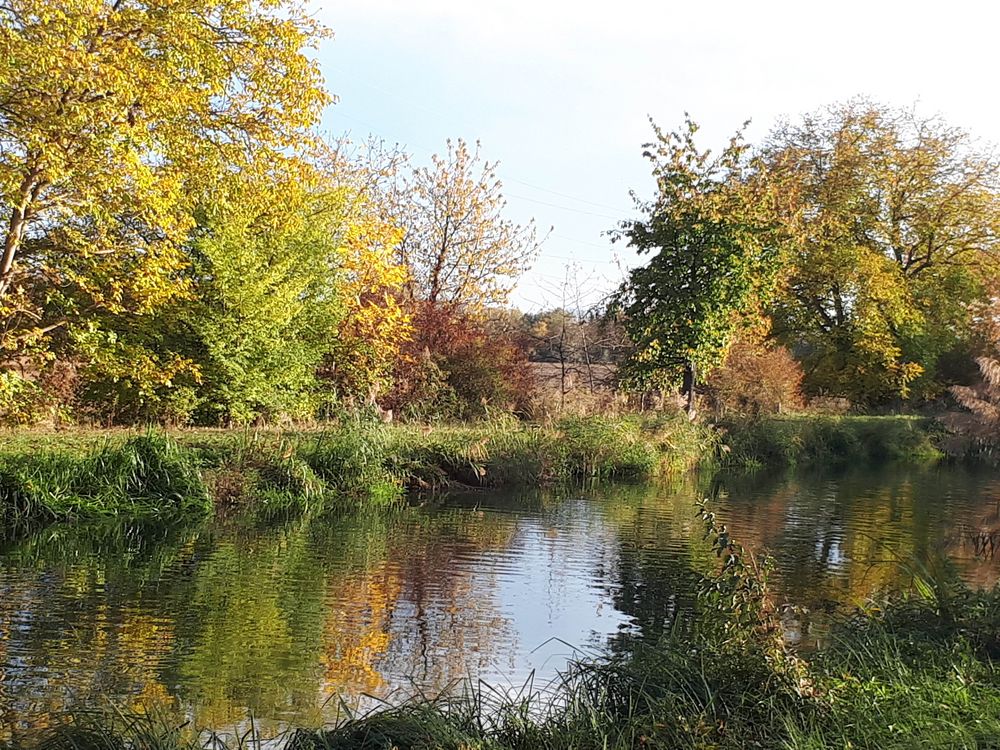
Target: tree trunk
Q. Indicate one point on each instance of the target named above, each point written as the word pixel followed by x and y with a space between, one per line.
pixel 690 376
pixel 28 192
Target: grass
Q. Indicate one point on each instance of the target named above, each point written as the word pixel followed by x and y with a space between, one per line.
pixel 145 476
pixel 269 475
pixel 510 453
pixel 832 440
pixel 916 670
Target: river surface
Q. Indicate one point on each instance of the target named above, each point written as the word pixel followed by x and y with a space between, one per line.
pixel 287 623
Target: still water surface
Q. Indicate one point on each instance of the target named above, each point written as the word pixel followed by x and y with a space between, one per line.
pixel 228 619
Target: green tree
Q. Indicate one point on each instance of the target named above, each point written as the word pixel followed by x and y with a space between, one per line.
pixel 895 221
pixel 714 258
pixel 267 271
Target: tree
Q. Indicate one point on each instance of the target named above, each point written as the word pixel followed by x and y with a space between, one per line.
pixel 291 304
pixel 112 113
pixel 715 257
pixel 895 221
pixel 376 325
pixel 457 246
pixel 265 263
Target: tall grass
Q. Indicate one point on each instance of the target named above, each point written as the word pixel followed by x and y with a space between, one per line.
pixel 509 453
pixel 273 475
pixel 831 440
pixel 146 476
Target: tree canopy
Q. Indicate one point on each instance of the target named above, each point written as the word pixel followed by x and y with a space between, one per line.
pixel 867 238
pixel 895 220
pixel 114 116
pixel 457 245
pixel 714 255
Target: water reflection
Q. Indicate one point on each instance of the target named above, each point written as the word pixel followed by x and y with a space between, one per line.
pixel 228 619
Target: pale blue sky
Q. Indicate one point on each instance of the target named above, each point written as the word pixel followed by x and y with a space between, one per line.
pixel 559 92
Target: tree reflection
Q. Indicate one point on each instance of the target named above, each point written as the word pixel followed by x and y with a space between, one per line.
pixel 229 619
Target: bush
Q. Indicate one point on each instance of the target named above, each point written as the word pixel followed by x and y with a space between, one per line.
pixel 756 379
pixel 460 366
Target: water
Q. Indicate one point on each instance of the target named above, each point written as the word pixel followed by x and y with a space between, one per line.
pixel 225 620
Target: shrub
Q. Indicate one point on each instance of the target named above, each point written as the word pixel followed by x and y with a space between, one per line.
pixel 460 365
pixel 756 379
pixel 22 401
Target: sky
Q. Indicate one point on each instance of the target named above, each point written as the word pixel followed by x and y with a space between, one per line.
pixel 560 93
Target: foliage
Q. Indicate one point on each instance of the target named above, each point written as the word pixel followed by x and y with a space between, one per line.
pixel 714 257
pixel 115 115
pixel 21 400
pixel 460 365
pixel 894 221
pixel 756 379
pixel 292 293
pixel 375 325
pixel 266 260
pixel 458 248
pixel 134 375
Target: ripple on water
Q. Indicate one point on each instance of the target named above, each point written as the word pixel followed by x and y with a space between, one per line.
pixel 226 619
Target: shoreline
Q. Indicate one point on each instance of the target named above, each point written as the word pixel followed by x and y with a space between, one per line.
pixel 77 475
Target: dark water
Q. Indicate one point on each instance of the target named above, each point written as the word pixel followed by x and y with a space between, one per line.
pixel 227 619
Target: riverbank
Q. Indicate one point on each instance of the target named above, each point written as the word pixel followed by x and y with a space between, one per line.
pixel 46 477
pixel 809 439
pixel 82 474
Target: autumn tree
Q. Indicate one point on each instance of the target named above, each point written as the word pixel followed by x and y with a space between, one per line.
pixel 714 256
pixel 112 114
pixel 895 221
pixel 376 324
pixel 291 304
pixel 456 244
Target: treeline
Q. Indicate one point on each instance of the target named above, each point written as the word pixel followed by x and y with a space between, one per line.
pixel 180 246
pixel 863 239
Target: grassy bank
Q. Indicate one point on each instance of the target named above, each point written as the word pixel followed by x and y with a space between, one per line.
pixel 829 440
pixel 75 475
pixel 916 670
pixel 46 477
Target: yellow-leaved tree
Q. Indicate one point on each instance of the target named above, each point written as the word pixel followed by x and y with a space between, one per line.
pixel 114 114
pixel 375 324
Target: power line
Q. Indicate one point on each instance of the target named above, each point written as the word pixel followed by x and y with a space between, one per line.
pixel 563 208
pixel 444 119
pixel 563 195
